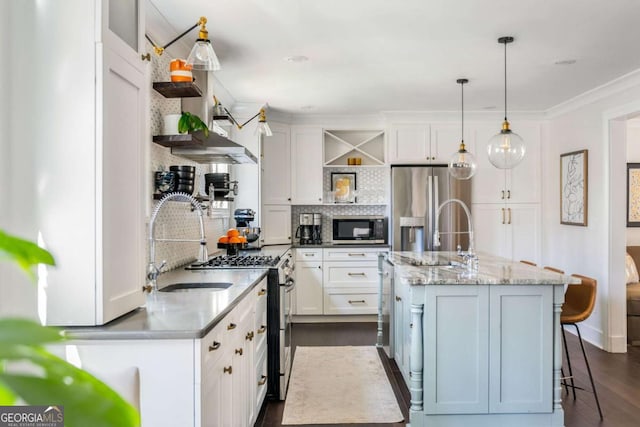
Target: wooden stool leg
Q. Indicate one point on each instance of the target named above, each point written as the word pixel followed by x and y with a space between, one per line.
pixel 593 386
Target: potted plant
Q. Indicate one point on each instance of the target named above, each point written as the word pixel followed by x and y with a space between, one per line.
pixel 190 122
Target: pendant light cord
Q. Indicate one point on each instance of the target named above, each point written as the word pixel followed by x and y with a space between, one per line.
pixel 505 81
pixel 462 109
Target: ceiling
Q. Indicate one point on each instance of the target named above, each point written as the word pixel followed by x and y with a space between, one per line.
pixel 367 56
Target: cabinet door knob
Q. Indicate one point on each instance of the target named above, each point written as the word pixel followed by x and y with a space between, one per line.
pixel 249 336
pixel 146 57
pixel 398 298
pixel 239 351
pixel 228 370
pixel 231 326
pixel 262 329
pixel 320 267
pixel 288 199
pixel 263 380
pixel 261 292
pixel 214 346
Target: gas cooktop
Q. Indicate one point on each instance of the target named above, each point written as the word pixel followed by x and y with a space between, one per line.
pixel 239 261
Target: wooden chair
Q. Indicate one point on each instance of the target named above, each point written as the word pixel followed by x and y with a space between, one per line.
pixel 528 262
pixel 579 301
pixel 555 270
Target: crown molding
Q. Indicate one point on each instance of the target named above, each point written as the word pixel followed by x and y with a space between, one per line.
pixel 608 89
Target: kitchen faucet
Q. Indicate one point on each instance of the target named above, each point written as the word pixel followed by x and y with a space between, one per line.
pixel 470 257
pixel 153 270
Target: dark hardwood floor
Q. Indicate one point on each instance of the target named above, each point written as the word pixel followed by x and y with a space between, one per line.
pixel 617 378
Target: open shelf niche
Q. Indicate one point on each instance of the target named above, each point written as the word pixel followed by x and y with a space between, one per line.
pixel 368 145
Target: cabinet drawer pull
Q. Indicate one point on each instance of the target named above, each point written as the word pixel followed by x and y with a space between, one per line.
pixel 214 346
pixel 231 326
pixel 502 197
pixel 361 301
pixel 509 212
pixel 261 292
pixel 356 274
pixel 249 336
pixel 357 254
pixel 262 329
pixel 263 380
pixel 309 254
pixel 502 215
pixel 228 370
pixel 398 299
pixel 508 194
pixel 239 351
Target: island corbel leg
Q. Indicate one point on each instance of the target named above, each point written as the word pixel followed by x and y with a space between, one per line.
pixel 416 357
pixel 558 299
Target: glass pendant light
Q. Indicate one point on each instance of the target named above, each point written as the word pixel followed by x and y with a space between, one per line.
pixel 462 164
pixel 202 56
pixel 263 127
pixel 506 149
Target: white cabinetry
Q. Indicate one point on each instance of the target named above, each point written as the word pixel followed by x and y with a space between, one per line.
pixel 276 187
pixel 350 281
pixel 401 325
pixel 306 165
pixel 425 143
pixel 99 249
pixel 217 380
pixel 506 203
pixel 309 297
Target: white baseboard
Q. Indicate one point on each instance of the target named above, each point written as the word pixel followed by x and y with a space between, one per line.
pixel 334 319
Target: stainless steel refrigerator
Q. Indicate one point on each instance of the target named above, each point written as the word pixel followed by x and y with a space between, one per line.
pixel 416 193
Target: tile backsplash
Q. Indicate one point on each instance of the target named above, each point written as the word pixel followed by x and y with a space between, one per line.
pixel 176 220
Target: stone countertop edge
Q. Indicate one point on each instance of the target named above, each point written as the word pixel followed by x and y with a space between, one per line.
pixel 433 268
pixel 177 315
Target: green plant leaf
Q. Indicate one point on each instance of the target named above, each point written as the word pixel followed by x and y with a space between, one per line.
pixel 87 400
pixel 27 332
pixel 183 123
pixel 7 396
pixel 25 253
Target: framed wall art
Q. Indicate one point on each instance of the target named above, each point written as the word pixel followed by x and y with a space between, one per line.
pixel 573 188
pixel 633 194
pixel 343 186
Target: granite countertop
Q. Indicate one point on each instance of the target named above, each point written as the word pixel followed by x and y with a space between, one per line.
pixel 446 268
pixel 342 246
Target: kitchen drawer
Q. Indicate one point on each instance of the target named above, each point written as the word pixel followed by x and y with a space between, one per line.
pixel 351 301
pixel 352 254
pixel 308 255
pixel 350 274
pixel 214 343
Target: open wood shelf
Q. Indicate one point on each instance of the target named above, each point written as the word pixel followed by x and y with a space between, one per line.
pixel 180 140
pixel 177 89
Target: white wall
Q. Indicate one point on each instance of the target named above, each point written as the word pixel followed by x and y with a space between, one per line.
pixel 633 156
pixel 580 124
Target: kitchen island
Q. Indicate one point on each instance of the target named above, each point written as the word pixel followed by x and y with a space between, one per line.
pixel 476 347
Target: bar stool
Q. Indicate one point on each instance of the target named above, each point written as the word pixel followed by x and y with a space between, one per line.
pixel 555 270
pixel 579 301
pixel 528 262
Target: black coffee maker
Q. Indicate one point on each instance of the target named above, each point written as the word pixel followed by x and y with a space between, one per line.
pixel 305 229
pixel 316 229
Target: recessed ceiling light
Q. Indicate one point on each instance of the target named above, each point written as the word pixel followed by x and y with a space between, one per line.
pixel 296 58
pixel 565 62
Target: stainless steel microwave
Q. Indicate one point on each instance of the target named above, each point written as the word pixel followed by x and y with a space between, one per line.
pixel 360 229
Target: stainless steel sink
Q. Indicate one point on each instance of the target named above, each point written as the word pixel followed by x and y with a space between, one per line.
pixel 204 286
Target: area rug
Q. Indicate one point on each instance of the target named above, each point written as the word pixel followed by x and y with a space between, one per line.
pixel 339 385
